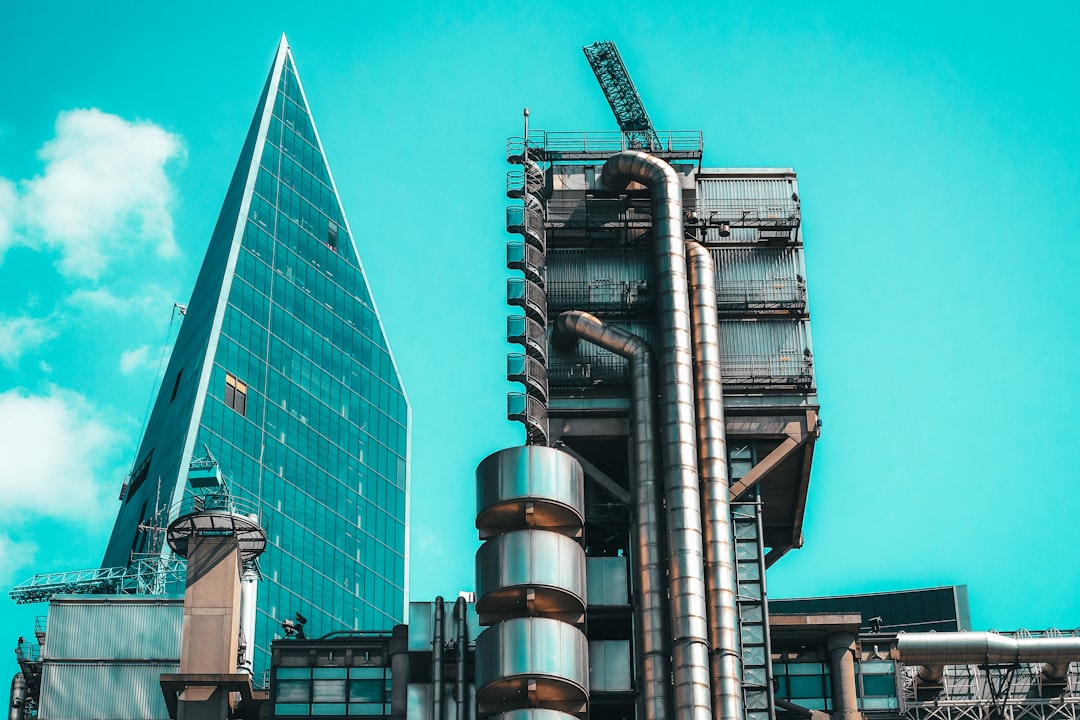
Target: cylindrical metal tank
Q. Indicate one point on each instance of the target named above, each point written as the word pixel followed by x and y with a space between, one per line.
pixel 529 486
pixel 530 573
pixel 532 662
pixel 533 714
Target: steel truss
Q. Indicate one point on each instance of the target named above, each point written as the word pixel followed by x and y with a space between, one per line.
pixel 981 692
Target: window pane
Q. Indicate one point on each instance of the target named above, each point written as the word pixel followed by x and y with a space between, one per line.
pixel 291 691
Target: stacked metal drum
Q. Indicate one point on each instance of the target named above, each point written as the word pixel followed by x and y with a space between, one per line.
pixel 532 661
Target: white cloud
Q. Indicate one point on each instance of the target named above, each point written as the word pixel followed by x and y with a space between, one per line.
pixel 131 360
pixel 104 193
pixel 9 207
pixel 143 357
pixel 58 452
pixel 15 554
pixel 152 299
pixel 20 335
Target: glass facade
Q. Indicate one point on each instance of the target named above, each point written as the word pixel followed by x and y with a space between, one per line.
pixel 282 371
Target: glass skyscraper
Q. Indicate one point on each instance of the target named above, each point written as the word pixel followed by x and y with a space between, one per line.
pixel 281 370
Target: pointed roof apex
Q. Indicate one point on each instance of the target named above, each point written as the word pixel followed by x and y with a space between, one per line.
pixel 283 46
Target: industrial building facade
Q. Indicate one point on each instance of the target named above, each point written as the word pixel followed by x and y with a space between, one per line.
pixel 281 374
pixel 626 255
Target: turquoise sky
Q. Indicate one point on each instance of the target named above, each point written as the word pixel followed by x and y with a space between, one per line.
pixel 938 158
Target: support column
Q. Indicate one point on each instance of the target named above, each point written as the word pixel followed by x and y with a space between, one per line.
pixel 841 647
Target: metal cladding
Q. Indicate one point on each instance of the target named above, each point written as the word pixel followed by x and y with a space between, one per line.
pixel 531 581
pixel 17 705
pixel 933 651
pixel 531 486
pixel 529 573
pixel 532 662
pixel 716 510
pixel 678 430
pixel 528 293
pixel 650 590
pixel 533 714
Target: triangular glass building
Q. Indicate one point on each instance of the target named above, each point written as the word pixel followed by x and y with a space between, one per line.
pixel 281 370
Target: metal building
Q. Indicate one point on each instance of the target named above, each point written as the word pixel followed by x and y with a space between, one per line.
pixel 667 349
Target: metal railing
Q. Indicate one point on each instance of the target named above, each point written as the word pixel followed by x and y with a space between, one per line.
pixel 775 294
pixel 612 212
pixel 598 295
pixel 777 370
pixel 601 144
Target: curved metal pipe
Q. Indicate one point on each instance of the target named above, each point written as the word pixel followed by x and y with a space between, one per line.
pixel 678 433
pixel 437 644
pixel 933 651
pixel 716 510
pixel 650 590
pixel 460 617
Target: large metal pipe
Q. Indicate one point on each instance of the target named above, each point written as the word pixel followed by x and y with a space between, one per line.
pixel 678 433
pixel 249 597
pixel 933 651
pixel 399 671
pixel 650 590
pixel 17 706
pixel 841 647
pixel 712 461
pixel 461 619
pixel 438 642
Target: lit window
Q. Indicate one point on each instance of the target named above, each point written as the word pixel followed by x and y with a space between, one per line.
pixel 331 235
pixel 235 393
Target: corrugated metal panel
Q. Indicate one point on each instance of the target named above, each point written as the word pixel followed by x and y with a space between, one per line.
pixel 763 337
pixel 766 352
pixel 754 353
pixel 120 628
pixel 760 277
pixel 776 190
pixel 117 691
pixel 732 197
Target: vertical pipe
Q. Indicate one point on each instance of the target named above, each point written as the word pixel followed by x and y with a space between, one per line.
pixel 249 596
pixel 716 510
pixel 461 618
pixel 17 706
pixel 437 644
pixel 841 647
pixel 650 588
pixel 399 671
pixel 690 653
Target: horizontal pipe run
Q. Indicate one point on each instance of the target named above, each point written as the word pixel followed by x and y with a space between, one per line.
pixel 933 651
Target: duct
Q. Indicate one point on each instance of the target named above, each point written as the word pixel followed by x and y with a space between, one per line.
pixel 716 511
pixel 249 595
pixel 841 647
pixel 678 433
pixel 933 651
pixel 17 706
pixel 437 644
pixel 399 670
pixel 650 611
pixel 461 620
